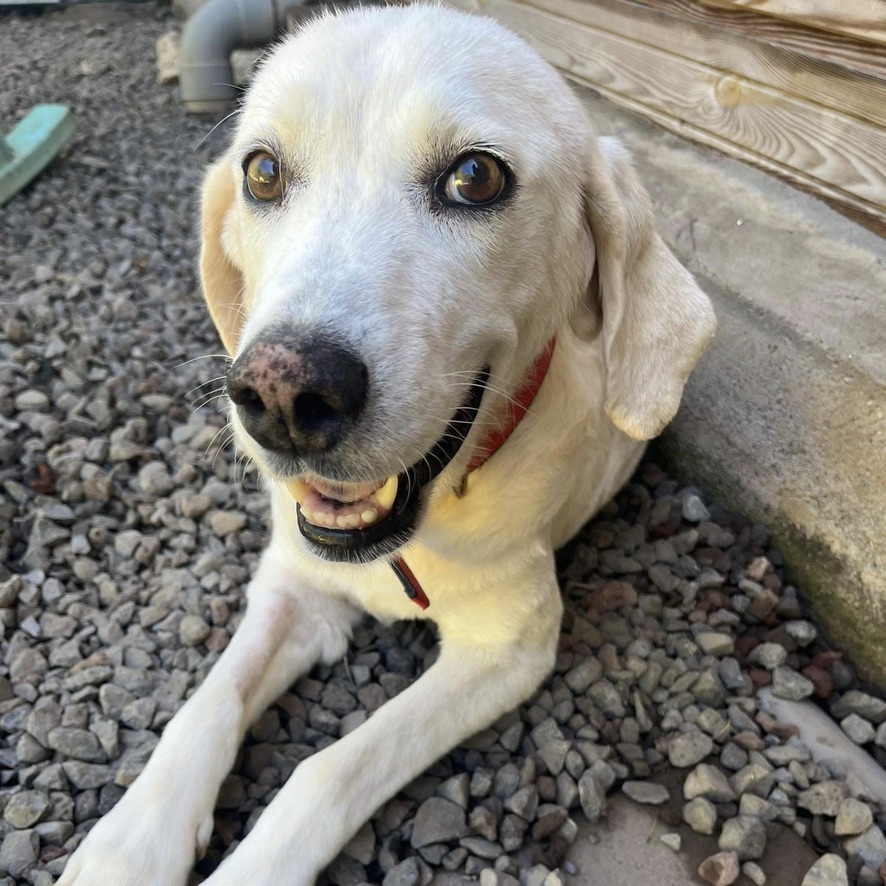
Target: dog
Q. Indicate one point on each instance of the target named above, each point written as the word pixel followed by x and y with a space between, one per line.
pixel 453 328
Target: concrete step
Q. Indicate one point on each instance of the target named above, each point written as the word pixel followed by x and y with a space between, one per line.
pixel 785 417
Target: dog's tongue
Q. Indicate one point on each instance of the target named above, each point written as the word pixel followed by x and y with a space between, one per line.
pixel 343 505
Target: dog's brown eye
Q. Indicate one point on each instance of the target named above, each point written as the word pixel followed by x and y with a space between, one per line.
pixel 263 176
pixel 475 179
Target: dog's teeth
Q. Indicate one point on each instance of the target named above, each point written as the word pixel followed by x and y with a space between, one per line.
pixel 369 516
pixel 298 489
pixel 386 495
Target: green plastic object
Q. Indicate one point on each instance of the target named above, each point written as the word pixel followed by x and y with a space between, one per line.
pixel 30 147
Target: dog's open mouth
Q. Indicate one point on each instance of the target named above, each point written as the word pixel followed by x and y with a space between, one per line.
pixel 359 522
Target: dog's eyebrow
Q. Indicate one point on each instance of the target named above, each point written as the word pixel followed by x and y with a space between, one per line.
pixel 268 141
pixel 444 153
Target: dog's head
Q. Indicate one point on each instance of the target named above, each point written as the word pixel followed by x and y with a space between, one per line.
pixel 412 206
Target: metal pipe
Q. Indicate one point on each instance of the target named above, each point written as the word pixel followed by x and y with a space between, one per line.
pixel 209 37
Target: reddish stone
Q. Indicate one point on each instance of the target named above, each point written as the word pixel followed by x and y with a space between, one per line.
pixel 667 529
pixel 749 741
pixel 765 721
pixel 706 556
pixel 772 582
pixel 744 645
pixel 821 680
pixel 785 731
pixel 652 475
pixel 49 853
pixel 825 660
pixel 609 732
pixel 613 595
pixel 720 870
pixel 547 788
pixel 762 605
pixel 760 677
pixel 717 599
pixel 783 638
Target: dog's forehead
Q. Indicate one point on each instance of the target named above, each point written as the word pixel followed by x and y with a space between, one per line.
pixel 411 72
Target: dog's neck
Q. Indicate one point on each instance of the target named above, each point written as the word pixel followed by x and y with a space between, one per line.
pixel 497 436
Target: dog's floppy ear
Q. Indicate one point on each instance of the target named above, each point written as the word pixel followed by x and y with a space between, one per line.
pixel 222 281
pixel 656 320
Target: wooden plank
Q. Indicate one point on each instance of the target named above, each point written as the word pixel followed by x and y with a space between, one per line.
pixel 870 215
pixel 793 73
pixel 864 19
pixel 838 48
pixel 833 153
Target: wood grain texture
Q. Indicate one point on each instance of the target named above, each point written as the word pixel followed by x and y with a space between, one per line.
pixel 825 83
pixel 864 19
pixel 836 155
pixel 739 20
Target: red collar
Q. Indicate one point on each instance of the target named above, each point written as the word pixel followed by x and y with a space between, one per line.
pixel 517 407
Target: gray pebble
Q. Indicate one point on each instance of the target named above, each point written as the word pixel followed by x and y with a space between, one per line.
pixel 438 821
pixel 193 630
pixel 853 817
pixel 406 873
pixel 768 655
pixel 25 809
pixel 19 851
pixel 709 782
pixel 694 510
pixel 754 873
pixel 824 798
pixel 829 870
pixel 154 479
pixel 804 632
pixel 745 835
pixel 646 792
pixel 701 815
pixel 714 643
pixel 80 744
pixel 224 523
pixel 456 790
pixel 689 748
pixel 788 684
pixel 858 729
pixel 856 702
pixel 869 846
pixel 672 840
pixel 523 802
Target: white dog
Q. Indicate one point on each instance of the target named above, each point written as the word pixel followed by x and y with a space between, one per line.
pixel 453 326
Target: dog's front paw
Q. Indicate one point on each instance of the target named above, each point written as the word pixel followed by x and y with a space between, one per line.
pixel 137 845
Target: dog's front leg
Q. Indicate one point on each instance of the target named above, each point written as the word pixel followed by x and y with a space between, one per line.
pixel 150 838
pixel 478 676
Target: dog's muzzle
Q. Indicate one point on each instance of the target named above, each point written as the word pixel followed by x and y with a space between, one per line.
pixel 358 523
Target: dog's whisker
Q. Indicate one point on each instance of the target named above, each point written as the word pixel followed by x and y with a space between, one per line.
pixel 222 430
pixel 204 357
pixel 224 119
pixel 202 384
pixel 220 395
pixel 222 446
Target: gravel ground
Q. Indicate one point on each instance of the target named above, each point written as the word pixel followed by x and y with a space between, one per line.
pixel 128 531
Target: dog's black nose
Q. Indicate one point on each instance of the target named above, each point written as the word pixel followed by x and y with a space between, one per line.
pixel 297 395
